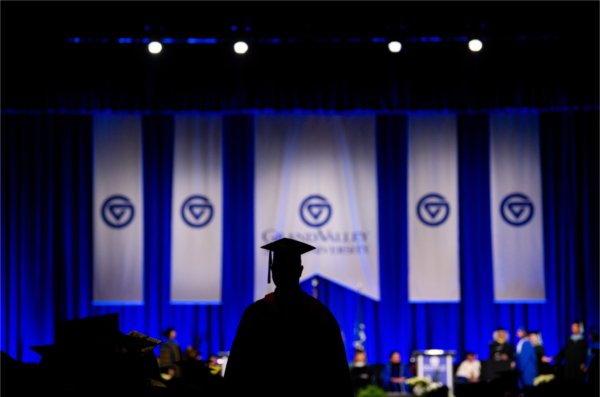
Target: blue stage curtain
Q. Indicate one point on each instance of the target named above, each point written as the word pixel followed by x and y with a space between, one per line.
pixel 47 247
pixel 476 274
pixel 46 229
pixel 238 222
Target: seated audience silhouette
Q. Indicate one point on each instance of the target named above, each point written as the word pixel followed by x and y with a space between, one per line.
pixel 91 356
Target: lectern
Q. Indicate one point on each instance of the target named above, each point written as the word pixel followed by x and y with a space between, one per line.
pixel 436 364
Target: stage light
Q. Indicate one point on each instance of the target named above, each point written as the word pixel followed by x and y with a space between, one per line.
pixel 154 47
pixel 240 47
pixel 475 45
pixel 394 46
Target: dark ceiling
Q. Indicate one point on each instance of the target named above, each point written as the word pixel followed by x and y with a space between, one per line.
pixel 536 54
pixel 304 18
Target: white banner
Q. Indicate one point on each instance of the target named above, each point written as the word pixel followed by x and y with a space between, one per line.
pixel 118 210
pixel 197 211
pixel 316 181
pixel 516 200
pixel 433 266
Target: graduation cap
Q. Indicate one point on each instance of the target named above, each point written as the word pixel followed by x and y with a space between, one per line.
pixel 288 247
pixel 94 334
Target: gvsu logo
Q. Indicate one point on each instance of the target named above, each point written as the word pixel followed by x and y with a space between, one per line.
pixel 516 209
pixel 117 211
pixel 197 211
pixel 315 211
pixel 433 209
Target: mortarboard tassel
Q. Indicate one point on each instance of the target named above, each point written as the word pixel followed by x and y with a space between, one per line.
pixel 270 264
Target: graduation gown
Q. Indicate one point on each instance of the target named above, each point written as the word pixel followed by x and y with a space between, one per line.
pixel 501 355
pixel 170 356
pixel 288 345
pixel 574 354
pixel 497 350
pixel 526 364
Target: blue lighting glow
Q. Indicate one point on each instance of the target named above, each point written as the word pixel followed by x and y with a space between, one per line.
pixel 199 40
pixel 117 303
pixel 271 40
pixel 259 111
pixel 430 39
pixel 284 40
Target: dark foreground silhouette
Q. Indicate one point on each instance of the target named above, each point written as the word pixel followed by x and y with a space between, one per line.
pixel 90 356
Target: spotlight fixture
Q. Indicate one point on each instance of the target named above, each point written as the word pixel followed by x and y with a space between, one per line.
pixel 475 45
pixel 240 47
pixel 394 46
pixel 154 47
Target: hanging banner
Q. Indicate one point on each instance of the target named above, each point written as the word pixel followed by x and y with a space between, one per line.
pixel 433 266
pixel 196 248
pixel 118 210
pixel 516 200
pixel 316 181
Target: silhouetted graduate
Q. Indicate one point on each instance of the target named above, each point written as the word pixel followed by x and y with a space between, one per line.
pixel 288 343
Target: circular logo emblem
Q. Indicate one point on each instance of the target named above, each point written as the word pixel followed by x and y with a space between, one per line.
pixel 197 211
pixel 117 211
pixel 434 361
pixel 433 209
pixel 315 210
pixel 516 209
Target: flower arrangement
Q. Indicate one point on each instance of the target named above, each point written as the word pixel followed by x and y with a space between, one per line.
pixel 540 379
pixel 423 386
